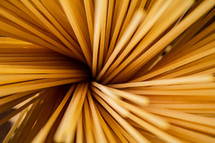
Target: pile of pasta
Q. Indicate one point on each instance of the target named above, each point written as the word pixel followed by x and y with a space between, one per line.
pixel 108 70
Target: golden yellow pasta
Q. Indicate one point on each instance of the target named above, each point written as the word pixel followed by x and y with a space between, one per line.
pixel 107 71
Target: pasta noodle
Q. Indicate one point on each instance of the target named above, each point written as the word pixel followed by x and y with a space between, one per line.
pixel 107 71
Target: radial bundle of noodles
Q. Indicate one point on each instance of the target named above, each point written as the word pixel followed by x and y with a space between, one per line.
pixel 107 71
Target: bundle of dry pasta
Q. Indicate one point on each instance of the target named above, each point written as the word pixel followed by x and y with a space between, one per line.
pixel 108 71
